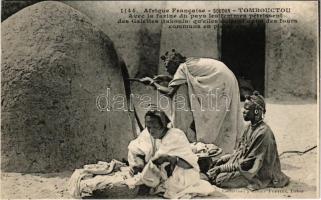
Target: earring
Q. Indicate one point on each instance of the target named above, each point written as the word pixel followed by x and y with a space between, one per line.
pixel 256 112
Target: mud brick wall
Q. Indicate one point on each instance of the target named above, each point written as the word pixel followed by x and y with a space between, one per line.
pixel 292 54
pixel 137 44
pixel 54 65
pixel 190 42
pixel 290 49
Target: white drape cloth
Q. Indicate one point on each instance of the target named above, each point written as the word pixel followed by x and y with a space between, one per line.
pixel 184 183
pixel 215 101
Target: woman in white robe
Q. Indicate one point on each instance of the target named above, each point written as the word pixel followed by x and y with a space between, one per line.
pixel 213 95
pixel 165 159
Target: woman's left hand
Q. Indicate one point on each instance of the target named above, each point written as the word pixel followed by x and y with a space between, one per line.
pixel 161 159
pixel 213 173
pixel 134 170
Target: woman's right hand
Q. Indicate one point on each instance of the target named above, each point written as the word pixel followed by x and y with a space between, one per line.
pixel 147 80
pixel 162 77
pixel 213 173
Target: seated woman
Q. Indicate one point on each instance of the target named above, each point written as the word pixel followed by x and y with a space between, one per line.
pixel 165 159
pixel 255 164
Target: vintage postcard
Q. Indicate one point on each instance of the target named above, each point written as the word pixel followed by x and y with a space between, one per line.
pixel 160 99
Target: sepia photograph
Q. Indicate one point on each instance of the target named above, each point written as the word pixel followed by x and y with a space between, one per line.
pixel 160 99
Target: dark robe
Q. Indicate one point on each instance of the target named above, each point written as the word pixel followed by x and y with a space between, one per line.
pixel 257 159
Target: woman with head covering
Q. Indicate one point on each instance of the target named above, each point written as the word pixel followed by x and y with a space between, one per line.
pixel 255 163
pixel 165 159
pixel 213 96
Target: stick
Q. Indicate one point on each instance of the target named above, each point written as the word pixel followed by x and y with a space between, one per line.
pixel 299 152
pixel 134 79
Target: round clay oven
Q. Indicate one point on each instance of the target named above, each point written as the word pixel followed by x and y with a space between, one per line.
pixel 60 76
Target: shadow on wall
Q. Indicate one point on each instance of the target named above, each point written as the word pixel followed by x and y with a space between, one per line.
pixel 149 52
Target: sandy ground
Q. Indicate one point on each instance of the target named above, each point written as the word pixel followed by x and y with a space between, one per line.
pixel 294 126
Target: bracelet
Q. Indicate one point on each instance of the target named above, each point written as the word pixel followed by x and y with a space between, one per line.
pixel 228 168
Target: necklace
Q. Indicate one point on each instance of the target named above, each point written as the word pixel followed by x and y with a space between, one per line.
pixel 256 124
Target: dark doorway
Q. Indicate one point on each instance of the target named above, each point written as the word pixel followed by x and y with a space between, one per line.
pixel 243 51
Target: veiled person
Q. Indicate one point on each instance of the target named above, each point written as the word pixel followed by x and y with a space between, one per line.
pixel 213 95
pixel 165 159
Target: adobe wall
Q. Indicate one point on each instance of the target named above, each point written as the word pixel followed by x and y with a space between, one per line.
pixel 291 54
pixel 191 42
pixel 138 44
pixel 291 49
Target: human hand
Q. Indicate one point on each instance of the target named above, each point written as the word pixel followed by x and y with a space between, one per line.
pixel 213 173
pixel 160 78
pixel 147 80
pixel 223 160
pixel 172 164
pixel 161 159
pixel 134 170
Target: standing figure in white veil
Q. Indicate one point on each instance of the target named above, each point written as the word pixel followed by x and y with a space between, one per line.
pixel 213 95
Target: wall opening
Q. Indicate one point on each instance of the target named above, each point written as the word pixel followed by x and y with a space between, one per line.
pixel 243 51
